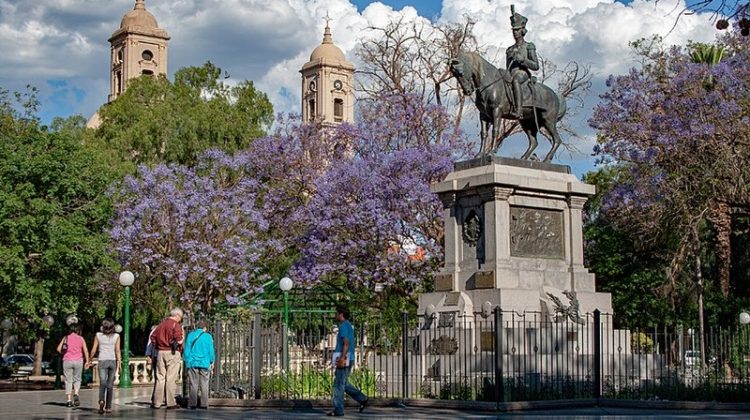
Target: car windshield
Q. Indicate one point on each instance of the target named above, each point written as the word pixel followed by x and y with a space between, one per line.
pixel 20 358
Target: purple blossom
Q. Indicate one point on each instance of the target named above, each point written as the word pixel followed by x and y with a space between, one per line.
pixel 682 130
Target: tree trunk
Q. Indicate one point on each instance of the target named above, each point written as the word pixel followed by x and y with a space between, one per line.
pixel 722 220
pixel 699 277
pixel 38 354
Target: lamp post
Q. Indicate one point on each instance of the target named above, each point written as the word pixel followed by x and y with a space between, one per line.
pixel 126 280
pixel 286 285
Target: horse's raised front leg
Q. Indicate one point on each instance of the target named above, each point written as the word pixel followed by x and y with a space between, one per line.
pixel 529 127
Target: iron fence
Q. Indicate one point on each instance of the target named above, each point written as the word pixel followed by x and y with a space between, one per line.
pixel 530 356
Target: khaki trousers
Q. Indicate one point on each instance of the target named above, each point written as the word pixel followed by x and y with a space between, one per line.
pixel 167 372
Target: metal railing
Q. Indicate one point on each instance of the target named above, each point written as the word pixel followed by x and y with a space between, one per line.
pixel 505 356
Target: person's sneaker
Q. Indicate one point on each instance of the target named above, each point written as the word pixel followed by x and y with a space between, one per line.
pixel 69 404
pixel 334 414
pixel 76 400
pixel 363 405
pixel 101 407
pixel 108 410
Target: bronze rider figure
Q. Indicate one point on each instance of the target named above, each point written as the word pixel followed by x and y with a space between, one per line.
pixel 520 60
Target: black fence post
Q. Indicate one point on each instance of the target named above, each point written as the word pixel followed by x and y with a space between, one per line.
pixel 218 335
pixel 597 354
pixel 499 386
pixel 256 355
pixel 404 355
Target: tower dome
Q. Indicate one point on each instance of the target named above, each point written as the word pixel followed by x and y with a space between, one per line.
pixel 139 16
pixel 327 50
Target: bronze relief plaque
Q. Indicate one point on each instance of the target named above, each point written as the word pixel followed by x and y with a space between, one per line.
pixel 472 229
pixel 451 299
pixel 536 233
pixel 487 341
pixel 444 345
pixel 484 280
pixel 443 282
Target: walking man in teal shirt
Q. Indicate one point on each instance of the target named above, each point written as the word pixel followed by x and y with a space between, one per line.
pixel 199 362
pixel 344 362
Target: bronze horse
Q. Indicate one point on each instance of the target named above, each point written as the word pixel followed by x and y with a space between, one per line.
pixel 493 99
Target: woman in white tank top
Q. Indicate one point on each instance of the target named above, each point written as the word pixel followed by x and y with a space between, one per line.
pixel 108 343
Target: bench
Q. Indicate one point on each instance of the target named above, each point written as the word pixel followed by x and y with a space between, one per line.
pixel 19 376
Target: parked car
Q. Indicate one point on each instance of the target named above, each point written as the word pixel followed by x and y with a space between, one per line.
pixel 25 363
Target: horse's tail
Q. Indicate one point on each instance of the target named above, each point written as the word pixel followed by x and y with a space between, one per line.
pixel 562 106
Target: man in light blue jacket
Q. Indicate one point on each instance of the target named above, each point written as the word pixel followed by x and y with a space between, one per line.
pixel 199 362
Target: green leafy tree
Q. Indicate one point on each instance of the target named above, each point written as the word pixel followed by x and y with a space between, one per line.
pixel 53 209
pixel 634 276
pixel 156 120
pixel 679 124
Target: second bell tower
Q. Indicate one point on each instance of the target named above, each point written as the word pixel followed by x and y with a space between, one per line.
pixel 327 84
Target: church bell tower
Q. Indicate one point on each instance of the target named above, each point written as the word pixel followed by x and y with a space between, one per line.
pixel 328 84
pixel 139 47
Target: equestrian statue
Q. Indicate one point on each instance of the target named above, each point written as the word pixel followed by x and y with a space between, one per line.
pixel 511 93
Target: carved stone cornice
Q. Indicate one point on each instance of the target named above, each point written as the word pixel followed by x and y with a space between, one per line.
pixel 577 202
pixel 494 193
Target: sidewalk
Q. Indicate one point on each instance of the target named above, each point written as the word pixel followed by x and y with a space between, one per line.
pixel 134 404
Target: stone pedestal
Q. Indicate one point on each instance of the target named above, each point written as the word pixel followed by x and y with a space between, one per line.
pixel 513 238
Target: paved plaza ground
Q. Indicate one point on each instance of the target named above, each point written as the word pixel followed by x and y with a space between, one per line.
pixel 133 404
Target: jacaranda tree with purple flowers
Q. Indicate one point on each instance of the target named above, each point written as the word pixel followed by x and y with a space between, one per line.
pixel 343 207
pixel 374 204
pixel 682 130
pixel 196 236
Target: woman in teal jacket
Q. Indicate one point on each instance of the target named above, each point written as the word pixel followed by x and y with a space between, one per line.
pixel 199 362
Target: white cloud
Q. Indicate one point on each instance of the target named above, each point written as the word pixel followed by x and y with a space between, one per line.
pixel 269 40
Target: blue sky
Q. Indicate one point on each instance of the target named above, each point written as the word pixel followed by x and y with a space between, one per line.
pixel 61 46
pixel 426 8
